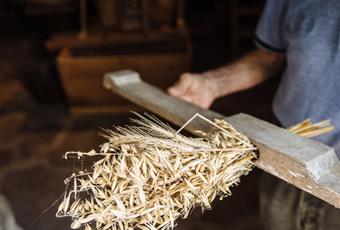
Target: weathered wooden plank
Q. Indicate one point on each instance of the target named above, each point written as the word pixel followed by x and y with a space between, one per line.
pixel 305 163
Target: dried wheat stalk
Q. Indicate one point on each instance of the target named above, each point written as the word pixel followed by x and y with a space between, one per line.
pixel 149 175
pixel 307 129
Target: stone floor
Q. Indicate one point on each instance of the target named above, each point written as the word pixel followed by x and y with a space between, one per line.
pixel 33 139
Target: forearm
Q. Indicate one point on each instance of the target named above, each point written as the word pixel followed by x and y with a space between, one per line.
pixel 245 73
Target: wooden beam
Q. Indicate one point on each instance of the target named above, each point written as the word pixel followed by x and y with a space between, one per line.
pixel 302 162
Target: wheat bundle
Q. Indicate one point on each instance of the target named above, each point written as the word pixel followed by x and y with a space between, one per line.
pixel 149 175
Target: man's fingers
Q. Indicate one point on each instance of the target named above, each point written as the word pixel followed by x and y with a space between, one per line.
pixel 191 88
pixel 187 98
pixel 182 85
pixel 173 91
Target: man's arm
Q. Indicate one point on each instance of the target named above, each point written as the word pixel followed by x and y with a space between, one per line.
pixel 248 71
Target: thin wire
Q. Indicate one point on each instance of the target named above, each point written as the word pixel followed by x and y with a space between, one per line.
pixel 53 204
pixel 212 123
pixel 45 211
pixel 186 123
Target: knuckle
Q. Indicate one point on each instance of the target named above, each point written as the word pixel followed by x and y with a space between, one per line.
pixel 185 77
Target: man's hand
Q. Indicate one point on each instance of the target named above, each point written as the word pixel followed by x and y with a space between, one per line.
pixel 248 71
pixel 194 88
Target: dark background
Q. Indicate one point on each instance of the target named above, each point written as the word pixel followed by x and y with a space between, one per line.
pixel 38 125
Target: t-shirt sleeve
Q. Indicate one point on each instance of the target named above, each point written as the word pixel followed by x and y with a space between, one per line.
pixel 269 31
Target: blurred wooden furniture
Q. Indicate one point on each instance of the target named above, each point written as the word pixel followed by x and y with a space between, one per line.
pixel 149 36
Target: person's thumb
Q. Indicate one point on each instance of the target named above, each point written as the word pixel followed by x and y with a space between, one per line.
pixel 181 86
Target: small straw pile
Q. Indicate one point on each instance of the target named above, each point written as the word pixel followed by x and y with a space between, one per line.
pixel 307 129
pixel 149 175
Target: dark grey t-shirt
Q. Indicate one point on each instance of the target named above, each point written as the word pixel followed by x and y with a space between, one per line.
pixel 308 31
